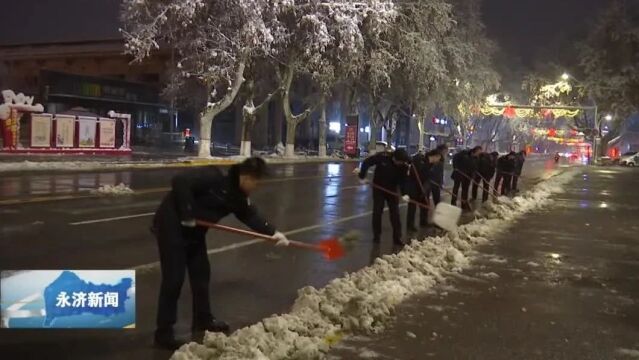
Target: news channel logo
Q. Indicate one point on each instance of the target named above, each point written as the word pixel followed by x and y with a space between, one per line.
pixel 85 299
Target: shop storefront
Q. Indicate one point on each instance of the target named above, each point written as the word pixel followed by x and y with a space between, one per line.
pixel 149 117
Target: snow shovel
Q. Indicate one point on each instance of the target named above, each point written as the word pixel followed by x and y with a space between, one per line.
pixel 332 248
pixel 446 216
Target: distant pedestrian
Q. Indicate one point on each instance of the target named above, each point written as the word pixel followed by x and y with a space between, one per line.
pixel 200 194
pixel 505 169
pixel 390 175
pixel 520 158
pixel 418 187
pixel 464 168
pixel 485 173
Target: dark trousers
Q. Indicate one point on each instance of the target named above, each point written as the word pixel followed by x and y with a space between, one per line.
pixel 514 181
pixel 412 209
pixel 504 181
pixel 436 192
pixel 381 198
pixel 182 250
pixel 485 186
pixel 464 183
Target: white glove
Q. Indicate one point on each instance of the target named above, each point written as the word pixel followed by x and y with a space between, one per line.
pixel 356 171
pixel 281 239
pixel 363 181
pixel 188 223
pixel 406 198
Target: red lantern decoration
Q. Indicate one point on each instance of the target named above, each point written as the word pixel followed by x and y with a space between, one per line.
pixel 509 112
pixel 552 133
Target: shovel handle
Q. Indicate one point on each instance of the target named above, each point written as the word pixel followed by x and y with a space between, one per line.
pixel 231 229
pixel 381 188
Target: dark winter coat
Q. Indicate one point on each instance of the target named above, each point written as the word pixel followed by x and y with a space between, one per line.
pixel 505 165
pixel 486 166
pixel 464 165
pixel 420 170
pixel 437 172
pixel 519 163
pixel 387 174
pixel 207 194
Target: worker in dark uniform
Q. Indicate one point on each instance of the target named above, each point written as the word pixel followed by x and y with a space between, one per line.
pixel 390 174
pixel 464 167
pixel 418 187
pixel 209 195
pixel 520 158
pixel 437 174
pixel 505 169
pixel 487 165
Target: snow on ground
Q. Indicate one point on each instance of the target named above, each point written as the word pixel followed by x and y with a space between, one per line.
pixel 363 301
pixel 120 189
pixel 629 353
pixel 82 165
pixel 76 165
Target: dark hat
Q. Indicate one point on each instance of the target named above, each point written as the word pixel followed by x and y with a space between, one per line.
pixel 254 167
pixel 401 155
pixel 433 153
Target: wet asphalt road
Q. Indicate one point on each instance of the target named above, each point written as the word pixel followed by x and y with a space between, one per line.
pixel 50 221
pixel 567 287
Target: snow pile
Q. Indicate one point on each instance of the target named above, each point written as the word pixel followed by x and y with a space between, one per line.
pixel 363 301
pixel 120 189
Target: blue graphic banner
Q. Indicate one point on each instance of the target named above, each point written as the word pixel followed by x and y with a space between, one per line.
pixel 68 299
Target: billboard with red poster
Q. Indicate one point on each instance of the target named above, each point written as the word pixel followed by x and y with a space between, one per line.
pixel 350 135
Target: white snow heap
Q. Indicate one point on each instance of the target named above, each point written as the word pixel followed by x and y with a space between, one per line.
pixel 120 189
pixel 364 300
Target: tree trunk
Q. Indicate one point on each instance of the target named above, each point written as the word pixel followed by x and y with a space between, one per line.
pixel 291 120
pixel 322 129
pixel 206 125
pixel 247 129
pixel 420 128
pixel 214 109
pixel 372 146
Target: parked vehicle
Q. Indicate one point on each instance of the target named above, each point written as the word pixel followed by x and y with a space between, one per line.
pixel 629 160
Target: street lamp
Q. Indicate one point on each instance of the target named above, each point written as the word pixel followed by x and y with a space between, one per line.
pixel 565 76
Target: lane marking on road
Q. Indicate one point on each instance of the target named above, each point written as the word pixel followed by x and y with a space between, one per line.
pixel 133 216
pixel 88 195
pixel 154 265
pixel 111 219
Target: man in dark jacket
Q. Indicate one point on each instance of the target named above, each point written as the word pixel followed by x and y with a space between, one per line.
pixel 200 194
pixel 520 158
pixel 505 169
pixel 390 174
pixel 464 168
pixel 437 174
pixel 418 187
pixel 485 171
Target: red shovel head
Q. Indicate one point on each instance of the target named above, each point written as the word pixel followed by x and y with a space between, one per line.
pixel 333 248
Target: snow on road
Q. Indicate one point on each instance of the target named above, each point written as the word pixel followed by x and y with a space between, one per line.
pixel 363 301
pixel 114 164
pixel 120 189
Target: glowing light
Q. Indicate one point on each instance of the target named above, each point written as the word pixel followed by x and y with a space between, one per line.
pixel 608 117
pixel 565 76
pixel 603 205
pixel 335 126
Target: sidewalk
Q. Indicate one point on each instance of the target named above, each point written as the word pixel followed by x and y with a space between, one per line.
pixel 559 284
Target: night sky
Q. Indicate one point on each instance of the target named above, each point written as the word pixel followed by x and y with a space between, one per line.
pixel 534 30
pixel 528 31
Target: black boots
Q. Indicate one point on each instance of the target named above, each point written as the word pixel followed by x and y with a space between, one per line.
pixel 212 325
pixel 165 339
